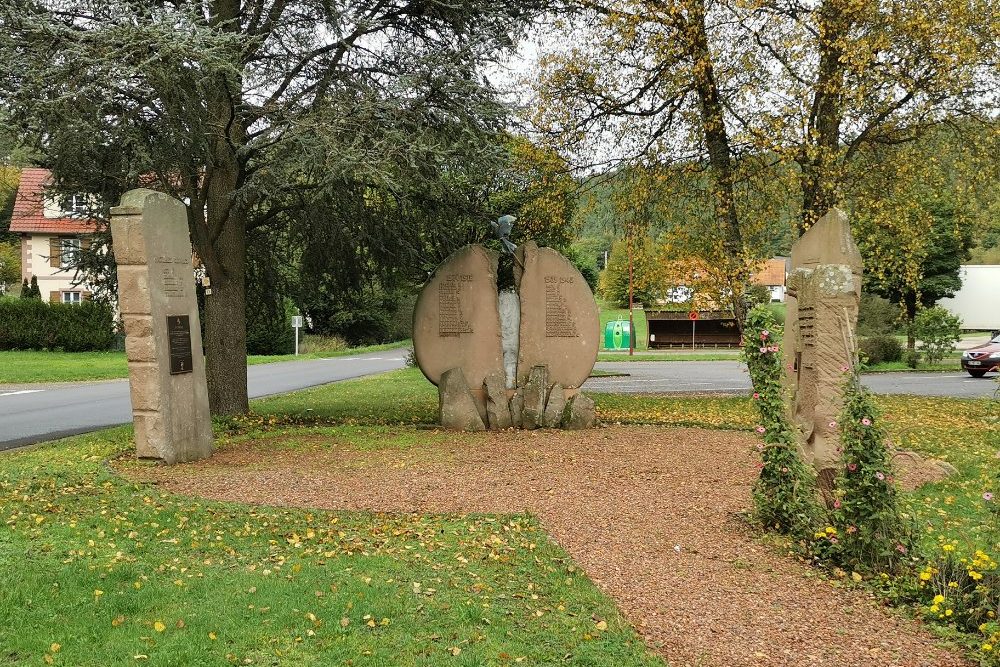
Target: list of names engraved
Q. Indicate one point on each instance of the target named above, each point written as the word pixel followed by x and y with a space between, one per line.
pixel 559 321
pixel 451 321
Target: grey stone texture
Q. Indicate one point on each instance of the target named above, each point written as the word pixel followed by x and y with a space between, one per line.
pixel 553 415
pixel 497 406
pixel 559 317
pixel 579 413
pixel 510 324
pixel 824 293
pixel 458 409
pixel 536 390
pixel 156 281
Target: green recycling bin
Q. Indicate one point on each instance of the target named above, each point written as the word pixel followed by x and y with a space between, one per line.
pixel 617 335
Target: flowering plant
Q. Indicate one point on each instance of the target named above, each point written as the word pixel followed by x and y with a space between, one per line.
pixel 873 532
pixel 785 492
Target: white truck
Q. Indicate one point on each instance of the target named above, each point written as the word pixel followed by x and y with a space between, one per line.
pixel 978 301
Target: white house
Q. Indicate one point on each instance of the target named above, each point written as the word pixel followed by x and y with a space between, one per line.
pixel 53 230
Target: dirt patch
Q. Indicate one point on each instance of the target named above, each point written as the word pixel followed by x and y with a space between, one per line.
pixel 650 513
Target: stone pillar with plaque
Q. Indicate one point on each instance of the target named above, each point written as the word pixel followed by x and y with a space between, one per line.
pixel 156 297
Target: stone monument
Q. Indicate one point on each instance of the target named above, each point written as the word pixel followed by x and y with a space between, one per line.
pixel 520 356
pixel 824 293
pixel 156 297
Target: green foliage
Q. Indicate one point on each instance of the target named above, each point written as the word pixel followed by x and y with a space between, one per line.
pixel 10 264
pixel 938 331
pixel 32 324
pixel 869 531
pixel 31 291
pixel 586 263
pixel 877 315
pixel 614 282
pixel 785 492
pixel 911 358
pixel 880 349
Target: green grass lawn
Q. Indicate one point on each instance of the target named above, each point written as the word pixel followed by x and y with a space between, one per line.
pixel 29 366
pixel 106 571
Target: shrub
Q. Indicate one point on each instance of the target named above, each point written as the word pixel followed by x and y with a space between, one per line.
pixel 911 358
pixel 868 531
pixel 878 316
pixel 31 324
pixel 879 349
pixel 938 331
pixel 785 492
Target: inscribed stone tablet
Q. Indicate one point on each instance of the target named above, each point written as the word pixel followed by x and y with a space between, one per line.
pixel 560 324
pixel 456 322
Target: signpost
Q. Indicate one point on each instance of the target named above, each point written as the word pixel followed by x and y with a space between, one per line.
pixel 296 324
pixel 693 316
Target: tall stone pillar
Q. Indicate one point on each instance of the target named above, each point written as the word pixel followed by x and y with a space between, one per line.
pixel 824 293
pixel 156 297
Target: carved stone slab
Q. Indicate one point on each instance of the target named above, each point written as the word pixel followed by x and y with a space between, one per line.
pixel 456 322
pixel 824 291
pixel 156 296
pixel 560 324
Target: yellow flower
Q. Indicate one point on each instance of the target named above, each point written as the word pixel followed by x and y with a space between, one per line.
pixel 948 612
pixel 925 576
pixel 830 530
pixel 948 547
pixel 987 647
pixel 938 599
pixel 934 608
pixel 975 575
pixel 952 584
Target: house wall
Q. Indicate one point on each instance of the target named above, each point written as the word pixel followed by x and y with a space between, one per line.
pixel 35 261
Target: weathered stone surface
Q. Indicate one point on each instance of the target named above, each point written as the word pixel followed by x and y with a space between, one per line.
pixel 456 322
pixel 510 325
pixel 458 410
pixel 824 291
pixel 559 318
pixel 535 393
pixel 913 470
pixel 156 283
pixel 553 416
pixel 517 408
pixel 497 406
pixel 579 413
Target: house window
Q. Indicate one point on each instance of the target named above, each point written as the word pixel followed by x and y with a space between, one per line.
pixel 71 297
pixel 69 252
pixel 72 204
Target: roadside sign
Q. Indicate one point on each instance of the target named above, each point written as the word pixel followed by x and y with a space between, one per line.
pixel 297 324
pixel 693 315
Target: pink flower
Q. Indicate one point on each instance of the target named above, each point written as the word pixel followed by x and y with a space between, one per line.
pixel 756 395
pixel 879 476
pixel 900 548
pixel 833 540
pixel 774 348
pixel 844 369
pixel 784 469
pixel 866 421
pixel 765 350
pixel 987 496
pixel 760 447
pixel 852 466
pixel 764 334
pixel 836 504
pixel 761 429
pixel 833 424
pixel 852 529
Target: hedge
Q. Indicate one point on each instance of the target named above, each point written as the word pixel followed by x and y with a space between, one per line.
pixel 30 324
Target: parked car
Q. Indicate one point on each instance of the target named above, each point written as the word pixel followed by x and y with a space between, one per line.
pixel 980 360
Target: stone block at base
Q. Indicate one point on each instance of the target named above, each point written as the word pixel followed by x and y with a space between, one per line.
pixel 458 410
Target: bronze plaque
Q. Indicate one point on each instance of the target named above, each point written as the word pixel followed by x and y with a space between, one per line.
pixel 179 335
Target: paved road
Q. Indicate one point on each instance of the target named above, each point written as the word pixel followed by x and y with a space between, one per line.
pixel 731 376
pixel 35 413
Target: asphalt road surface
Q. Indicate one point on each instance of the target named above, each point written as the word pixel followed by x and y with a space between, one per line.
pixel 732 377
pixel 36 412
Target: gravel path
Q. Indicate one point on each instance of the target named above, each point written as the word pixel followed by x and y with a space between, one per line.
pixel 649 513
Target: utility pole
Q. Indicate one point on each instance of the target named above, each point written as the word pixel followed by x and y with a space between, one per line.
pixel 631 322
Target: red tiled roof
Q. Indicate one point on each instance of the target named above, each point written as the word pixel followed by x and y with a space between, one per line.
pixel 28 208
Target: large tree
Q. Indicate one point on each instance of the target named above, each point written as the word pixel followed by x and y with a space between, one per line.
pixel 210 99
pixel 756 89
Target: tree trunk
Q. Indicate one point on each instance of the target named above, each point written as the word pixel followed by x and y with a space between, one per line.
pixel 820 161
pixel 910 303
pixel 719 154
